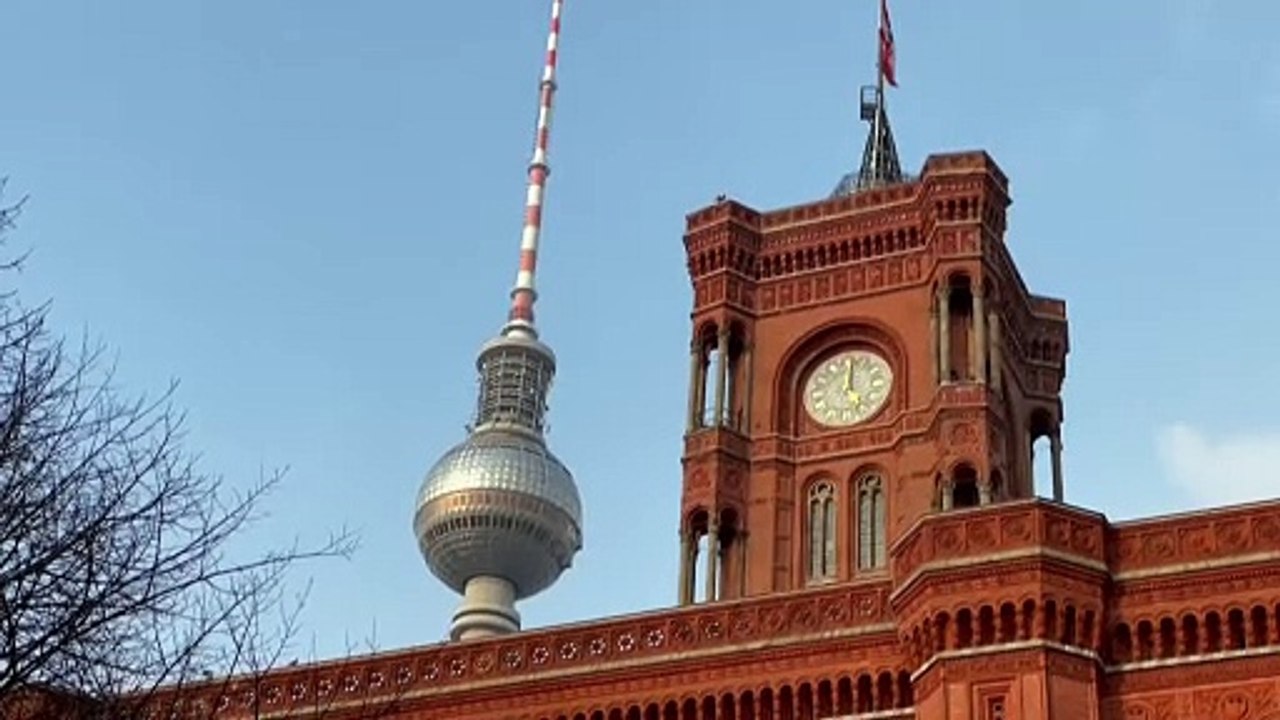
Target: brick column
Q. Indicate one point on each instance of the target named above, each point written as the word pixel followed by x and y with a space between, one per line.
pixel 944 335
pixel 1055 450
pixel 934 345
pixel 993 335
pixel 741 542
pixel 685 590
pixel 979 341
pixel 696 388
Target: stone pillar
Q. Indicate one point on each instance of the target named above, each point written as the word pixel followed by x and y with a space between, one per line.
pixel 979 341
pixel 984 491
pixel 944 335
pixel 726 566
pixel 747 384
pixel 933 344
pixel 948 494
pixel 684 594
pixel 1055 449
pixel 742 562
pixel 695 386
pixel 713 558
pixel 722 374
pixel 1031 463
pixel 700 402
pixel 993 334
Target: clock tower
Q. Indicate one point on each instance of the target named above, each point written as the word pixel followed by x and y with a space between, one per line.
pixel 858 363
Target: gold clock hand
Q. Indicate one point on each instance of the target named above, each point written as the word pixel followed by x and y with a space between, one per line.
pixel 854 396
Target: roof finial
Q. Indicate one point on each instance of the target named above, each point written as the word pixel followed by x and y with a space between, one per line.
pixel 524 294
pixel 880 155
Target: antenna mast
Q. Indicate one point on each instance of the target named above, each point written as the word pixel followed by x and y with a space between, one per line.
pixel 524 294
pixel 879 110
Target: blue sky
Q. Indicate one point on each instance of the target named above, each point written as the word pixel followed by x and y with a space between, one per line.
pixel 308 212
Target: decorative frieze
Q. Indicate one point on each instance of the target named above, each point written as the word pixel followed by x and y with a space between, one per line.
pixel 1143 548
pixel 649 639
pixel 1000 528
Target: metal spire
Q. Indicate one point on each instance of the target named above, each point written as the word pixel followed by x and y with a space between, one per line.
pixel 880 164
pixel 524 294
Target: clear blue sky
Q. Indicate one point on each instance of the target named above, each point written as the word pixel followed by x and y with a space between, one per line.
pixel 309 213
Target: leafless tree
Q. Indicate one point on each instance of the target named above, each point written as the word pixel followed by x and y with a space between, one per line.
pixel 121 566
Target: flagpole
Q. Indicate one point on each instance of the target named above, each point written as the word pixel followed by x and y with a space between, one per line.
pixel 875 122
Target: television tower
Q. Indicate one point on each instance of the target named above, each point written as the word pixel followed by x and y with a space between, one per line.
pixel 498 517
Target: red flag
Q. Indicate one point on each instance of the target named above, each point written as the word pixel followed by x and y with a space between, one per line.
pixel 888 60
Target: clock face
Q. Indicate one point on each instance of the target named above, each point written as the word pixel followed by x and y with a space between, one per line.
pixel 848 388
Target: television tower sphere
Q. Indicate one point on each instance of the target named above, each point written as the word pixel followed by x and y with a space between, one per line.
pixel 499 517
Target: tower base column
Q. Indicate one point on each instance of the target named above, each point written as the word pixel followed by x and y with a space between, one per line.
pixel 488 608
pixel 1055 450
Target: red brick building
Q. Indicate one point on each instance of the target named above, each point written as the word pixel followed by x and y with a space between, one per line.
pixel 860 534
pixel 858 473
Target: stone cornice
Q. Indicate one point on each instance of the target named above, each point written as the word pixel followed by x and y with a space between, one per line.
pixel 1035 555
pixel 1000 649
pixel 1205 540
pixel 916 423
pixel 632 643
pixel 1183 571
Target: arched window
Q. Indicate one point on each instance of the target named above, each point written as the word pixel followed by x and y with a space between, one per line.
pixel 958 331
pixel 871 534
pixel 964 487
pixel 822 531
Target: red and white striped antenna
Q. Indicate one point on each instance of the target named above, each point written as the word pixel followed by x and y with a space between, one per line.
pixel 524 294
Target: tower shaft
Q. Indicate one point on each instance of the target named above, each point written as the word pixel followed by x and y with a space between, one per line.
pixel 524 294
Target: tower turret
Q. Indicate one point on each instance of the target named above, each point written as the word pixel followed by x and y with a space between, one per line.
pixel 498 516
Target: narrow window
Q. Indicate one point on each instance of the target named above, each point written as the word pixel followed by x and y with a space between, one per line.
pixel 871 531
pixel 959 329
pixel 822 531
pixel 964 487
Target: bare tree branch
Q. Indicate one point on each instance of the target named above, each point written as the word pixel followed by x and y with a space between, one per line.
pixel 117 575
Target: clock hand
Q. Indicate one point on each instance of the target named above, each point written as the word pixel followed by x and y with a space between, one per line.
pixel 853 395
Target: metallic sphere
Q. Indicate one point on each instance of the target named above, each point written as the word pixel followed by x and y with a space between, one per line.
pixel 499 504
